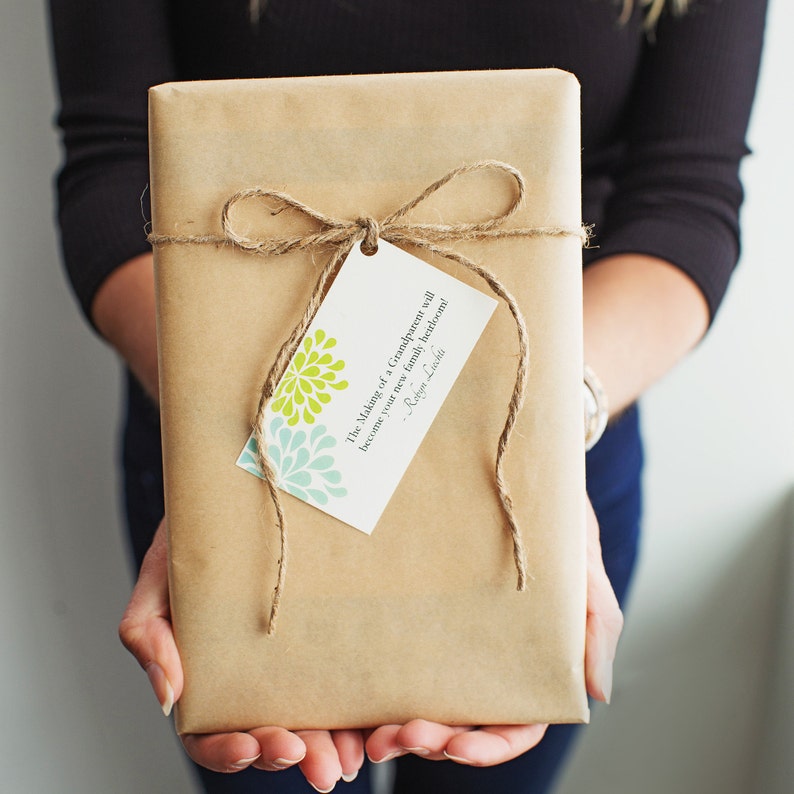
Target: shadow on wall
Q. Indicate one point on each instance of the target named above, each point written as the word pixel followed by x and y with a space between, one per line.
pixel 703 700
pixel 775 763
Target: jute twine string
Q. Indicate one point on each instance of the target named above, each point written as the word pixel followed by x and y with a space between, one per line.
pixel 342 235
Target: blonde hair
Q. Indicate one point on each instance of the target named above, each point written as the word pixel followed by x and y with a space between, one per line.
pixel 255 9
pixel 653 9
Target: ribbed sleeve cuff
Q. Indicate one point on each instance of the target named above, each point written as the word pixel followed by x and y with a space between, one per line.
pixel 707 255
pixel 102 226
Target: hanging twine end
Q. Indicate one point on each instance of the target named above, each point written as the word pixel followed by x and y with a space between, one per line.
pixel 520 557
pixel 273 619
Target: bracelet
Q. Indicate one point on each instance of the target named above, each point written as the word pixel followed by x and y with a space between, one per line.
pixel 596 409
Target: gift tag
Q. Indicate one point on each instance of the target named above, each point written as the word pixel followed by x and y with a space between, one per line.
pixel 367 380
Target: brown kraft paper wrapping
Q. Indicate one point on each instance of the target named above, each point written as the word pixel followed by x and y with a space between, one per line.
pixel 421 619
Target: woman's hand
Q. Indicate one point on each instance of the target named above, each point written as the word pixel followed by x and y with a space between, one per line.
pixel 495 744
pixel 323 756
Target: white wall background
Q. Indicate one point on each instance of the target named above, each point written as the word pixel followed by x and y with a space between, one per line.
pixel 704 683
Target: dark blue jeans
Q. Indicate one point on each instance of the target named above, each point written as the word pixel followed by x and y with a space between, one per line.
pixel 613 483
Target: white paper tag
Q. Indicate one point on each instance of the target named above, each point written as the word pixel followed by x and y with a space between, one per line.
pixel 369 377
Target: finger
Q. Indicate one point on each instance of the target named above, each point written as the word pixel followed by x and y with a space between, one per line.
pixel 494 744
pixel 145 628
pixel 321 766
pixel 604 618
pixel 427 739
pixel 222 752
pixel 382 744
pixel 350 749
pixel 603 631
pixel 279 748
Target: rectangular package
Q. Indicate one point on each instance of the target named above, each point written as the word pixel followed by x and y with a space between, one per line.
pixel 422 617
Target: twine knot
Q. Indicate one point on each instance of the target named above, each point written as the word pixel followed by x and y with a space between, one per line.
pixel 371 229
pixel 342 235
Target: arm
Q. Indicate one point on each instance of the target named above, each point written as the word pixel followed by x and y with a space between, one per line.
pixel 107 55
pixel 124 314
pixel 641 315
pixel 670 236
pixel 668 245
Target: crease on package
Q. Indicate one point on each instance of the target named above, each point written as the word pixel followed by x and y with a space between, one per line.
pixel 421 619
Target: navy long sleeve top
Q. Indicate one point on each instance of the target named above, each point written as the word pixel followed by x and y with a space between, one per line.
pixel 664 116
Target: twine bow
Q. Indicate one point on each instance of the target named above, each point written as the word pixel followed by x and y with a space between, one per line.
pixel 342 235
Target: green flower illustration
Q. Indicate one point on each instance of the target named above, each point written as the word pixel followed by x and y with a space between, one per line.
pixel 303 467
pixel 304 389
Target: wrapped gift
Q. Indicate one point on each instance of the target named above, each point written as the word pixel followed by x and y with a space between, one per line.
pixel 424 614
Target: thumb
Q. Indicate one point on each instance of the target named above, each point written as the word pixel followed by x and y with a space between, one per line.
pixel 604 618
pixel 145 629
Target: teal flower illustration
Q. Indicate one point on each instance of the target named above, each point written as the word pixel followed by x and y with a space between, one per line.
pixel 302 465
pixel 304 389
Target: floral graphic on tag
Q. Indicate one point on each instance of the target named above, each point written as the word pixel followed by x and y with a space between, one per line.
pixel 304 388
pixel 302 465
pixel 299 455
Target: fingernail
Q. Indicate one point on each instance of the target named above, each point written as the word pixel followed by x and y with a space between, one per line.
pixel 322 790
pixel 457 759
pixel 386 757
pixel 418 750
pixel 351 777
pixel 285 763
pixel 168 703
pixel 158 680
pixel 606 679
pixel 244 763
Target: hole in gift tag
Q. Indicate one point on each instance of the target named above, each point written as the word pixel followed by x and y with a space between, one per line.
pixel 369 245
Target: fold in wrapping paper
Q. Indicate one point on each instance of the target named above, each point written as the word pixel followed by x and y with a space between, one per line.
pixel 422 619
